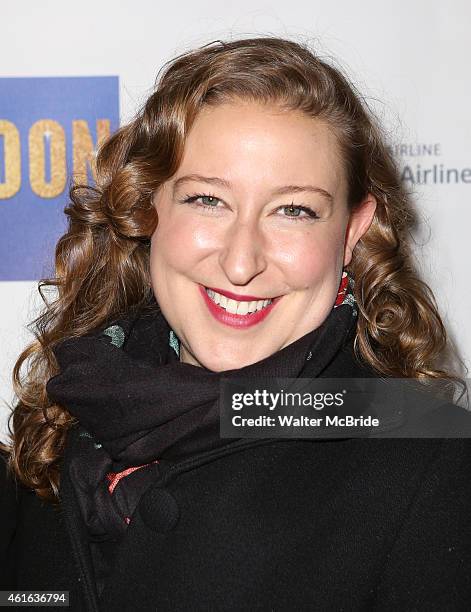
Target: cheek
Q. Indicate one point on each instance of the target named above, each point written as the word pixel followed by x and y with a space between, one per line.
pixel 181 245
pixel 311 258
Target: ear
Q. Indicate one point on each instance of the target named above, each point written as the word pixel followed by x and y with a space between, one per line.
pixel 359 222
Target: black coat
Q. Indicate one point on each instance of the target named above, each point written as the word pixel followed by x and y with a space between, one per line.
pixel 270 525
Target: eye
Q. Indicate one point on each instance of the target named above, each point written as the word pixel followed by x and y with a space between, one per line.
pixel 208 201
pixel 294 212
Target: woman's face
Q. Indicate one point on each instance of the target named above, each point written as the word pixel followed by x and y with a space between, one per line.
pixel 256 211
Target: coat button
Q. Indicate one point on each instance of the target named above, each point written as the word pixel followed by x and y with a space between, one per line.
pixel 159 510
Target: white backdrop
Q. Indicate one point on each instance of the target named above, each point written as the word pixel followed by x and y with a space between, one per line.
pixel 410 59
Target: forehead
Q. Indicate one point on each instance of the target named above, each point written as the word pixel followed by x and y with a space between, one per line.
pixel 246 142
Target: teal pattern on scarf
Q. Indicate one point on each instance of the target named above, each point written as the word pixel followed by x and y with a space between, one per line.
pixel 116 333
pixel 174 342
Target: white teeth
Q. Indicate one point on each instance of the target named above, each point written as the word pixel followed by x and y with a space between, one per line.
pixel 243 308
pixel 235 307
pixel 231 306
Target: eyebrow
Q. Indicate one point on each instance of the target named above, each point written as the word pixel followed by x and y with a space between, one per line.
pixel 214 180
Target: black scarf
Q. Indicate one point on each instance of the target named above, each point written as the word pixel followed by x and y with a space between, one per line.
pixel 138 405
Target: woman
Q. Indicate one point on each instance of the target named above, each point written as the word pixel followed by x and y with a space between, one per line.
pixel 249 221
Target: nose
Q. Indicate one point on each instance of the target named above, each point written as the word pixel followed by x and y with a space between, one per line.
pixel 242 256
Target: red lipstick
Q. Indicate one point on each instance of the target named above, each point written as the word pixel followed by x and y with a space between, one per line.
pixel 239 298
pixel 236 320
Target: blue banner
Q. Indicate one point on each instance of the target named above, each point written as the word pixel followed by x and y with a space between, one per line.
pixel 49 129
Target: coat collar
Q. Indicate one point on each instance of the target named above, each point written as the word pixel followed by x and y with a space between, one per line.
pixel 76 526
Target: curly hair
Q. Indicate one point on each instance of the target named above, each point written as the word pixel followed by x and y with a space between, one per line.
pixel 102 261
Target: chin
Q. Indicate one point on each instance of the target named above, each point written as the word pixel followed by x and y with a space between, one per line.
pixel 215 364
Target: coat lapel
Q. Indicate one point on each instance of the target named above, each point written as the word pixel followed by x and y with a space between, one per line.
pixel 76 527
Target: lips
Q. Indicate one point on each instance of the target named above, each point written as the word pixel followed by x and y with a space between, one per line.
pixel 236 320
pixel 239 298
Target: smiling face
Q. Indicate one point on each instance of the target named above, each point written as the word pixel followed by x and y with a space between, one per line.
pixel 257 210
